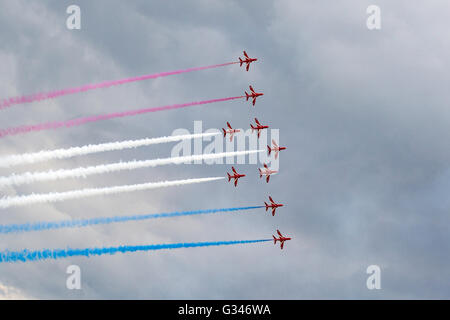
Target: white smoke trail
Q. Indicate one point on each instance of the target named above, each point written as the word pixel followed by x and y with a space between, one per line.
pixel 45 155
pixel 18 201
pixel 83 172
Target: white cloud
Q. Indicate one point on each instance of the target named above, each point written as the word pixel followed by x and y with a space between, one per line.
pixel 12 293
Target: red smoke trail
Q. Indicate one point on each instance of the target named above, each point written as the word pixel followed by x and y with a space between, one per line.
pixel 5 103
pixel 95 118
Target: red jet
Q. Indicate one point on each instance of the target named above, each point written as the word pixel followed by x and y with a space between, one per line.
pixel 246 60
pixel 235 176
pixel 275 149
pixel 252 94
pixel 272 205
pixel 266 172
pixel 230 131
pixel 281 239
pixel 258 127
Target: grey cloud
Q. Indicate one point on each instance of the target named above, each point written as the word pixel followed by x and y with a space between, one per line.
pixel 364 115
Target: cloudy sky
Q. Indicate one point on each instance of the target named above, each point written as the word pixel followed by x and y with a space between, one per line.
pixel 365 116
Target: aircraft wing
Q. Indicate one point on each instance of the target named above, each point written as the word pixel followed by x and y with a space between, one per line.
pixel 235 182
pixel 273 211
pixel 229 125
pixel 234 170
pixel 282 245
pixel 268 178
pixel 248 66
pixel 274 143
pixel 257 122
pixel 265 166
pixel 279 233
pixel 251 89
pixel 245 54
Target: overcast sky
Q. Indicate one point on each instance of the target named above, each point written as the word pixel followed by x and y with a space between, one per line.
pixel 364 114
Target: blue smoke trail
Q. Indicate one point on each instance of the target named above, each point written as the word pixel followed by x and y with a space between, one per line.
pixel 34 255
pixel 38 226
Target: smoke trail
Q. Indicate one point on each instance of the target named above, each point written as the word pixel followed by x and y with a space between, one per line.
pixel 34 255
pixel 48 225
pixel 5 103
pixel 79 121
pixel 45 155
pixel 83 172
pixel 83 193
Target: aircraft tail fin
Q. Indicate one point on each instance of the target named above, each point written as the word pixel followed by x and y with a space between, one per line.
pixel 224 132
pixel 246 96
pixel 229 177
pixel 241 62
pixel 269 149
pixel 267 206
pixel 274 239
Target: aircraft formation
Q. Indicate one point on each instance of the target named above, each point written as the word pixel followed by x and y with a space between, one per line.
pixel 275 149
pixel 45 155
